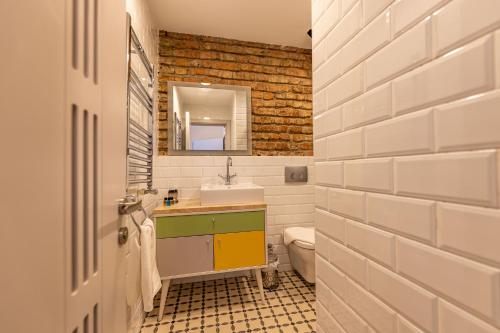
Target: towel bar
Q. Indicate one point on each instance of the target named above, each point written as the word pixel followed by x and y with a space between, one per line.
pixel 140 105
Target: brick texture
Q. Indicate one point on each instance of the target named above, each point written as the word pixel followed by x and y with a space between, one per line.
pixel 407 155
pixel 280 78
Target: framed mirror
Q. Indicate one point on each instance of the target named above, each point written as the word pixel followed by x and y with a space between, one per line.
pixel 209 119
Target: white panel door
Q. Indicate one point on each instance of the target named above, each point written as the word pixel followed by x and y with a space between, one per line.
pixel 96 146
pixel 63 139
pixel 83 181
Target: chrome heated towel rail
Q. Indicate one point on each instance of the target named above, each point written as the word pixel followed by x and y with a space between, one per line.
pixel 140 115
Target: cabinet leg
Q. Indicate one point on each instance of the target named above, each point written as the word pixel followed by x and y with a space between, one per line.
pixel 164 292
pixel 258 277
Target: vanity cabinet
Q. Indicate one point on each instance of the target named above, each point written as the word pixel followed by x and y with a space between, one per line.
pixel 191 243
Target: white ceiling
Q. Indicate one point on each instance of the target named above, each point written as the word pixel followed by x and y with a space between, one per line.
pixel 281 22
pixel 205 96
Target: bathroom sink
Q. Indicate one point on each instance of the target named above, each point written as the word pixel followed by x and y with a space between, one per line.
pixel 231 194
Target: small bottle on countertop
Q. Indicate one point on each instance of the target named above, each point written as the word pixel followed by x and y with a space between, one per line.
pixel 173 193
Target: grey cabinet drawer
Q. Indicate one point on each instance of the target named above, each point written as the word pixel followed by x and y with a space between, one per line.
pixel 184 255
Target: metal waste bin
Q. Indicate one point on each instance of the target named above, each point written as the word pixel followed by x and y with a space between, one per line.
pixel 270 277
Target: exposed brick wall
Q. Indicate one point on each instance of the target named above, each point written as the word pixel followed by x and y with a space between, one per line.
pixel 280 78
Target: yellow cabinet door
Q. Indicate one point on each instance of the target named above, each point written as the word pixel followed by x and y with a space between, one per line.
pixel 240 249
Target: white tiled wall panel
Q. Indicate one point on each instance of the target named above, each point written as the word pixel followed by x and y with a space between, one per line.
pixel 404 135
pixel 334 279
pixel 330 173
pixel 472 231
pixel 408 12
pixel 347 203
pixel 409 230
pixel 351 263
pixel 318 8
pixel 321 194
pixel 329 122
pixel 373 242
pixel 412 217
pixel 452 319
pixel 330 225
pixel 321 245
pixel 347 86
pixel 330 71
pixel 372 106
pixel 464 72
pixel 369 174
pixel 346 317
pixel 328 324
pixel 369 39
pixel 406 52
pixel 460 177
pixel 319 102
pixel 327 21
pixel 404 326
pixel 320 51
pixel 346 5
pixel 288 204
pixel 320 149
pixel 461 20
pixel 323 294
pixel 372 8
pixel 409 299
pixel 349 26
pixel 469 123
pixel 473 285
pixel 374 311
pixel 345 145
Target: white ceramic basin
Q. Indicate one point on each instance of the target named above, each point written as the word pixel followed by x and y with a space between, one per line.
pixel 231 194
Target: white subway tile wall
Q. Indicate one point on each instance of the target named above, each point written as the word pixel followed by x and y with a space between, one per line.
pixel 142 22
pixel 407 154
pixel 289 205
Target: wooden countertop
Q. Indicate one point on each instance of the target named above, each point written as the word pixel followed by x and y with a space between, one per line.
pixel 186 207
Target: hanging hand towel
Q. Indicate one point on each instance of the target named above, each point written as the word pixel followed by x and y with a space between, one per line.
pixel 150 278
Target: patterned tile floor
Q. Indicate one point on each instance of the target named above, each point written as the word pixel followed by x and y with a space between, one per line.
pixel 233 305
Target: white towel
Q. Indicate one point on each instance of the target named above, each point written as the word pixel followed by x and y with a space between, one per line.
pixel 150 278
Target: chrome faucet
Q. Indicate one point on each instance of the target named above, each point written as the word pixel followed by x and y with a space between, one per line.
pixel 227 178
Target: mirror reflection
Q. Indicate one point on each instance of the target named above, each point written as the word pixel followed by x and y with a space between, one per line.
pixel 209 118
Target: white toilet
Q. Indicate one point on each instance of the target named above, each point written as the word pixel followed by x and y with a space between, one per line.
pixel 300 243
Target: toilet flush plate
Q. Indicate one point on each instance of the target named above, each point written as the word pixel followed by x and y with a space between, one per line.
pixel 296 174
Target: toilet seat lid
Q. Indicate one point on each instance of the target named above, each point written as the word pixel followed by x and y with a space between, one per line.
pixel 304 245
pixel 302 237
